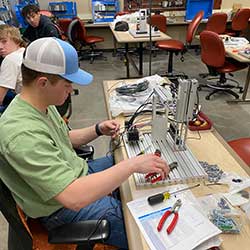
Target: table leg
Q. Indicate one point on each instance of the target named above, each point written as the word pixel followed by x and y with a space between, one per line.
pixel 115 46
pixel 244 95
pixel 127 59
pixel 141 59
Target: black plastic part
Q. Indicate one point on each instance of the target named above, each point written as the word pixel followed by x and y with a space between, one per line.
pixel 155 199
pixel 82 232
pixel 173 165
pixel 133 134
pixel 127 124
pixel 85 151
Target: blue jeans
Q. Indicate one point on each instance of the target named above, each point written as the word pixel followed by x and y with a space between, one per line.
pixel 106 208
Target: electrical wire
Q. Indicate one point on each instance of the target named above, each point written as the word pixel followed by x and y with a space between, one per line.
pixel 131 89
pixel 131 120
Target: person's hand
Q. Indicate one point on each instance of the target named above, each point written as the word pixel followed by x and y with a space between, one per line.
pixel 109 127
pixel 149 163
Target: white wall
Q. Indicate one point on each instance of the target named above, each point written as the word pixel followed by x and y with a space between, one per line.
pixel 44 4
pixel 227 4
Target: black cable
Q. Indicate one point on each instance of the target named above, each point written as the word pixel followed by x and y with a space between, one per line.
pixel 118 145
pixel 131 120
pixel 131 89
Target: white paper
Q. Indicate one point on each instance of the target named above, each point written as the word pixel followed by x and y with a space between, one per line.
pixel 191 230
pixel 236 199
pixel 213 242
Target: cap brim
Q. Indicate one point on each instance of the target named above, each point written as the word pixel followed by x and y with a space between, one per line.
pixel 80 77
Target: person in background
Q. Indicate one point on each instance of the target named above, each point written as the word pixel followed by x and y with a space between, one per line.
pixel 11 50
pixel 47 178
pixel 38 25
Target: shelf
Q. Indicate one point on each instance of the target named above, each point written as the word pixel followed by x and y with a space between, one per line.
pixel 104 10
pixel 96 11
pixel 156 5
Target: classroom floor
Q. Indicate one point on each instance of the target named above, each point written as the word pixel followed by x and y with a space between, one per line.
pixel 231 120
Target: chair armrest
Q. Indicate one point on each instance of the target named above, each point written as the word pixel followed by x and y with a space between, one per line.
pixel 85 151
pixel 82 232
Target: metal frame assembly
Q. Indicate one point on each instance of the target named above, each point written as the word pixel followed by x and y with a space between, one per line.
pixel 169 132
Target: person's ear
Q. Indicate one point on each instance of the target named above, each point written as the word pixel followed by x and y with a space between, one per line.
pixel 42 81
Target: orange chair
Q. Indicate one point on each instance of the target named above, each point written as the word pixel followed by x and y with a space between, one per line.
pixel 214 56
pixel 217 4
pixel 47 13
pixel 217 23
pixel 78 37
pixel 239 22
pixel 175 46
pixel 160 22
pixel 242 148
pixel 31 235
pixel 64 24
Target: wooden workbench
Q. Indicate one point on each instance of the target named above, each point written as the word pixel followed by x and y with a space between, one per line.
pixel 211 148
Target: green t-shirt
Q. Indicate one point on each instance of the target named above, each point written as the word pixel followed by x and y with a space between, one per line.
pixel 37 160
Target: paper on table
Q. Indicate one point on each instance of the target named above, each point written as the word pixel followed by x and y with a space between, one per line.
pixel 191 230
pixel 213 242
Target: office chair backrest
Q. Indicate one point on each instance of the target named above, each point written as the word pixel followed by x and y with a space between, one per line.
pixel 160 22
pixel 212 49
pixel 76 31
pixel 217 4
pixel 60 32
pixel 241 19
pixel 17 232
pixel 217 23
pixel 193 26
pixel 63 23
pixel 47 13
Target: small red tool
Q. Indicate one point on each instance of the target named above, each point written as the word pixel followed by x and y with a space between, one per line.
pixel 174 210
pixel 154 177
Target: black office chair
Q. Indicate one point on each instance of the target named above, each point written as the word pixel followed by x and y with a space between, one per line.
pixel 74 236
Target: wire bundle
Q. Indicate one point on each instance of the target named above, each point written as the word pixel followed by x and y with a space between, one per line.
pixel 131 89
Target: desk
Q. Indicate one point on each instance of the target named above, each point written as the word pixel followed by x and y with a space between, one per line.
pixel 211 148
pixel 234 54
pixel 126 37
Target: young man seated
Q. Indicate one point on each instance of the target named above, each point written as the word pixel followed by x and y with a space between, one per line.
pixel 38 25
pixel 38 163
pixel 11 49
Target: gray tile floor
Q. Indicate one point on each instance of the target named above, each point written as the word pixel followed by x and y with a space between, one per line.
pixel 231 121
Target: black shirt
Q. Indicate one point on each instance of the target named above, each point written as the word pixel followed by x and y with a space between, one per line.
pixel 45 29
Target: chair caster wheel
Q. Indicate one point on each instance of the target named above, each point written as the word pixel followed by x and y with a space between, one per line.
pixel 241 90
pixel 199 88
pixel 207 97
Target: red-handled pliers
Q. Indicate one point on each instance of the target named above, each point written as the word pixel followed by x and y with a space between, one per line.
pixel 173 210
pixel 154 177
